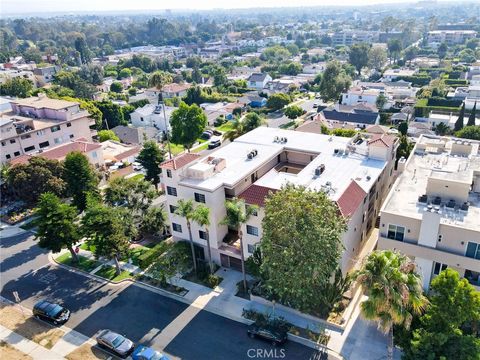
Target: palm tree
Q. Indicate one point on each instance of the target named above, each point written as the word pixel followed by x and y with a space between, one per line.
pixel 394 291
pixel 201 215
pixel 237 215
pixel 185 210
pixel 236 131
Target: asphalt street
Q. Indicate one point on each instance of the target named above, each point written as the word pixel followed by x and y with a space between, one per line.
pixel 128 309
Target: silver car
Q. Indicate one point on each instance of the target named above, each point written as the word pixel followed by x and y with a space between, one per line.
pixel 115 343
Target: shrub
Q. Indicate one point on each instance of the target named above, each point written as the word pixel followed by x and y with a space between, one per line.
pixel 214 280
pixel 146 259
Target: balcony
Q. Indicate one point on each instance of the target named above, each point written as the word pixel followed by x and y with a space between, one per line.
pixel 231 244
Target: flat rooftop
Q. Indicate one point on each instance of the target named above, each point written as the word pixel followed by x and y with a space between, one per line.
pixel 442 165
pixel 44 102
pixel 339 171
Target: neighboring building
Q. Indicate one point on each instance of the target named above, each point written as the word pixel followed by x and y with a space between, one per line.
pixel 215 110
pixel 253 100
pixel 432 212
pixel 314 69
pixel 135 135
pixel 348 38
pixel 393 74
pixel 9 74
pixel 361 114
pixel 44 75
pixel 258 81
pixel 37 123
pixel 114 152
pixel 362 94
pixel 355 173
pixel 93 151
pixel 450 37
pixel 448 119
pixel 152 116
pixel 175 90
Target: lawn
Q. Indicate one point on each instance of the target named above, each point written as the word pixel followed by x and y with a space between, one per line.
pixel 136 252
pixel 83 263
pixel 225 127
pixel 7 351
pixel 288 125
pixel 138 177
pixel 87 247
pixel 200 148
pixel 108 272
pixel 175 148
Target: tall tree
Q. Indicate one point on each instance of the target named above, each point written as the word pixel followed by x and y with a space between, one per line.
pixel 394 48
pixel 334 81
pixel 188 123
pixel 459 123
pixel 358 56
pixel 150 157
pixel 442 50
pixel 278 101
pixel 237 129
pixel 82 47
pixel 301 244
pixel 17 87
pixel 158 80
pixel 185 209
pixel 377 57
pixel 394 292
pixel 154 221
pixel 252 121
pixel 201 215
pixel 381 101
pixel 473 114
pixel 57 228
pixel 237 215
pixel 80 178
pixel 293 112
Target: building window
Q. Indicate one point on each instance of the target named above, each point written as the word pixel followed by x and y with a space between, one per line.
pixel 169 173
pixel 141 119
pixel 7 156
pixel 69 124
pixel 57 140
pixel 438 268
pixel 55 128
pixel 177 227
pixel 199 198
pixel 172 209
pixel 203 234
pixel 71 136
pixel 13 141
pixel 29 148
pixel 439 238
pixel 16 153
pixel 44 144
pixel 473 250
pixel 251 248
pixel 396 232
pixel 3 143
pixel 40 133
pixel 171 191
pixel 252 230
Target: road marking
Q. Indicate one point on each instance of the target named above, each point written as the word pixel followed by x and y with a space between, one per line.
pixel 48 278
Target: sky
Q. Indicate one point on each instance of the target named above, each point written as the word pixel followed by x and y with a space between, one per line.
pixel 29 6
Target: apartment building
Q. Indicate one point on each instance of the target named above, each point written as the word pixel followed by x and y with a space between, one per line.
pixel 432 213
pixel 355 172
pixel 37 123
pixel 451 37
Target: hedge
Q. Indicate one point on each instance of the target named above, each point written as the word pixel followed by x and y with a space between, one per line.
pixel 151 255
pixel 456 82
pixel 416 80
pixel 438 101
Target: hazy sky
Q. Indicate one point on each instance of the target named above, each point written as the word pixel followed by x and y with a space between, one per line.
pixel 28 6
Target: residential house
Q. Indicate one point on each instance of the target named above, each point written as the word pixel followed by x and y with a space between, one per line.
pixel 9 74
pixel 360 115
pixel 175 90
pixel 44 75
pixel 432 211
pixel 393 74
pixel 114 152
pixel 136 135
pixel 220 109
pixel 362 94
pixel 37 123
pixel 355 173
pixel 315 69
pixel 258 81
pixel 152 116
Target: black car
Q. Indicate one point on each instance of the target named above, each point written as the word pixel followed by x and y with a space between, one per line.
pixel 115 343
pixel 275 336
pixel 214 143
pixel 52 312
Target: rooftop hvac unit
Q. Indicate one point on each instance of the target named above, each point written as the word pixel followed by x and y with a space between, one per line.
pixel 335 151
pixel 319 170
pixel 250 156
pixel 276 139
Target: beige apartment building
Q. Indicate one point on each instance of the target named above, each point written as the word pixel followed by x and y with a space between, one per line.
pixel 356 173
pixel 34 124
pixel 432 213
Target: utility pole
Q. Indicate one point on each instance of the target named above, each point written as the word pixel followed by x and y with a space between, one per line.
pixel 162 103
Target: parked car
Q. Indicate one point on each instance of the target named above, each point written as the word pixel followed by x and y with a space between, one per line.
pixel 315 105
pixel 214 143
pixel 145 353
pixel 206 135
pixel 51 312
pixel 137 166
pixel 116 343
pixel 275 336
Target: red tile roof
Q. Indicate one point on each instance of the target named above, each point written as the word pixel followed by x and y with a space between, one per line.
pixel 128 153
pixel 382 140
pixel 174 88
pixel 351 198
pixel 255 195
pixel 179 161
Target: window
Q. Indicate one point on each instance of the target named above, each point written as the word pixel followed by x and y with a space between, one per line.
pixel 12 141
pixel 41 132
pixel 141 119
pixel 252 230
pixel 3 143
pixel 203 234
pixel 251 248
pixel 171 191
pixel 396 232
pixel 172 209
pixel 177 227
pixel 438 268
pixel 473 250
pixel 57 140
pixel 16 153
pixel 69 124
pixel 55 128
pixel 169 173
pixel 29 148
pixel 439 238
pixel 8 156
pixel 71 136
pixel 43 144
pixel 199 198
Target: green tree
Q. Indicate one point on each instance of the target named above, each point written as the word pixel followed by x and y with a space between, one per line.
pixel 358 56
pixel 201 215
pixel 158 80
pixel 293 112
pixel 237 214
pixel 403 128
pixel 334 81
pixel 394 48
pixel 17 87
pixel 469 132
pixel 80 179
pixel 188 123
pixel 92 74
pixel 394 292
pixel 381 101
pixel 186 210
pixel 252 121
pixel 449 327
pixel 173 261
pixel 405 147
pixel 125 73
pixel 377 57
pixel 441 129
pixel 82 47
pixel 104 135
pixel 237 129
pixel 442 50
pixel 150 157
pixel 109 230
pixel 278 101
pixel 410 53
pixel 116 87
pixel 112 113
pixel 154 221
pixel 467 56
pixel 459 123
pixel 28 181
pixel 295 270
pixel 56 225
pixel 473 113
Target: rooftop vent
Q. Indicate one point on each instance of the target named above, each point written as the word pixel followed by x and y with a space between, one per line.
pixel 319 170
pixel 158 109
pixel 252 154
pixel 276 139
